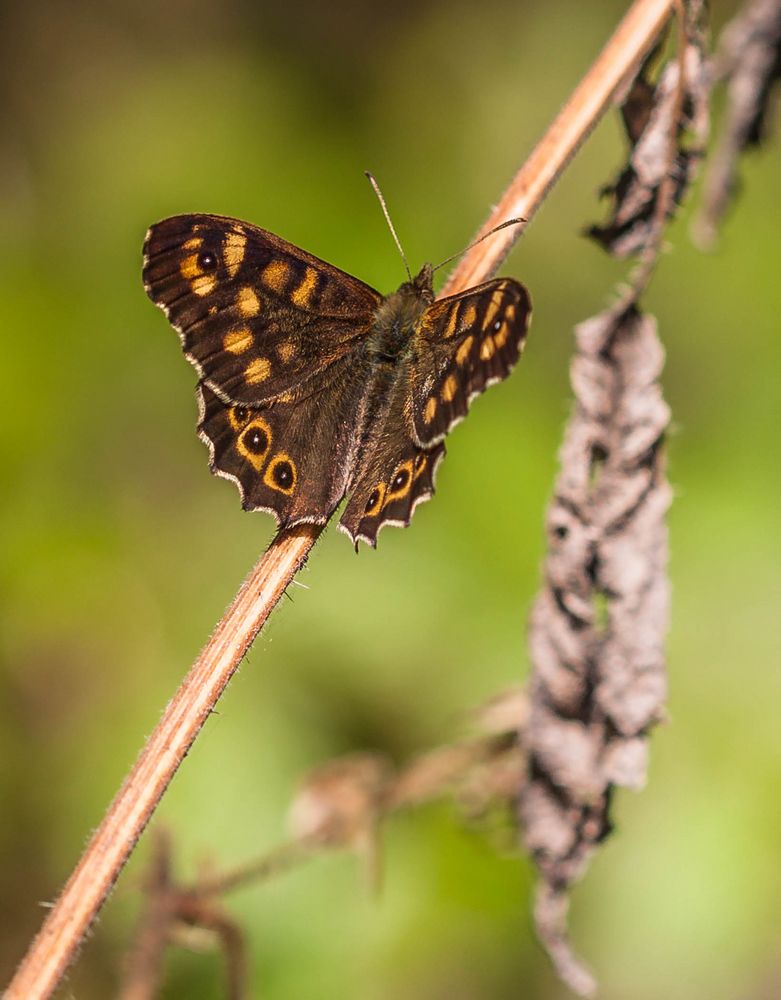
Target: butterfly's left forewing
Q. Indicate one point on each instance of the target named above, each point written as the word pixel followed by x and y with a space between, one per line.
pixel 463 344
pixel 257 316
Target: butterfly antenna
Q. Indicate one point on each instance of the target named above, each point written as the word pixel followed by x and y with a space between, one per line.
pixel 385 212
pixel 502 225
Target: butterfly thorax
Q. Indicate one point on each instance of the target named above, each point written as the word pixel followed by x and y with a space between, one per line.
pixel 397 318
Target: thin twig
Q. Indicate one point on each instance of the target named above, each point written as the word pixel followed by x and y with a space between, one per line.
pixel 618 61
pixel 194 912
pixel 282 858
pixel 83 895
pixel 71 916
pixel 443 771
pixel 341 805
pixel 665 199
pixel 145 961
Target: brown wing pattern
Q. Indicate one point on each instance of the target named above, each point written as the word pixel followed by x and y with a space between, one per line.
pixel 464 344
pixel 257 316
pixel 290 459
pixel 394 475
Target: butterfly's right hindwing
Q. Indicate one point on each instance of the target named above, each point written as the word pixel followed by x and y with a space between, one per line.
pixel 257 316
pixel 393 476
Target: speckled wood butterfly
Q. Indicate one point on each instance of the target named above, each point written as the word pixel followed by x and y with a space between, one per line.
pixel 312 386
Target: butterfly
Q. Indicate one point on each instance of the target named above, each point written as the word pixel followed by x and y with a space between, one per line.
pixel 312 386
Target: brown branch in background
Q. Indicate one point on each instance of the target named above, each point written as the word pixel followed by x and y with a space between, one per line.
pixel 340 806
pixel 71 916
pixel 614 66
pixel 749 59
pixel 144 961
pixel 181 916
pixel 598 627
pixel 660 120
pixel 196 915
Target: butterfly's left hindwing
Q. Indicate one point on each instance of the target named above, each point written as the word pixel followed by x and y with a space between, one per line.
pixel 290 459
pixel 257 316
pixel 464 344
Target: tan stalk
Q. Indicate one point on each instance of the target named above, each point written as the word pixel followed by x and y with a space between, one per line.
pixel 69 919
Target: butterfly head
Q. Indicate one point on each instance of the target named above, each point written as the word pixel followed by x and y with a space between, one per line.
pixel 419 289
pixel 423 282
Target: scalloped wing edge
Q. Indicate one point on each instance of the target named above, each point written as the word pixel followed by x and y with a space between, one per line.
pixel 245 504
pixel 393 522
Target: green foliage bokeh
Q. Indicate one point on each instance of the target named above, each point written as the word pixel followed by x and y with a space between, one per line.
pixel 120 550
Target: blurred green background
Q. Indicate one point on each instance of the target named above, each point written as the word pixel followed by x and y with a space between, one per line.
pixel 120 551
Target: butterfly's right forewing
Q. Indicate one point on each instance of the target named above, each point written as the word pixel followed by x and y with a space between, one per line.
pixel 464 343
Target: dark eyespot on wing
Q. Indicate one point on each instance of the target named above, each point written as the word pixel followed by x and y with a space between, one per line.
pixel 388 490
pixel 291 459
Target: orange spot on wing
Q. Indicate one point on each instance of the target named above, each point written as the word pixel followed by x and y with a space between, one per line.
pixel 449 388
pixel 501 335
pixel 238 416
pixel 463 351
pixel 487 349
pixel 257 370
pixel 248 302
pixel 238 341
pixel 452 322
pixel 204 285
pixel 254 442
pixel 372 508
pixel 302 295
pixel 233 254
pixel 271 477
pixel 430 411
pixel 286 350
pixel 493 309
pixel 403 472
pixel 276 275
pixel 470 315
pixel 190 270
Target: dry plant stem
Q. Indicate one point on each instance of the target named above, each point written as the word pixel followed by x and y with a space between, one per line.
pixel 281 859
pixel 597 629
pixel 199 913
pixel 666 197
pixel 71 916
pixel 426 779
pixel 340 806
pixel 54 947
pixel 746 61
pixel 619 60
